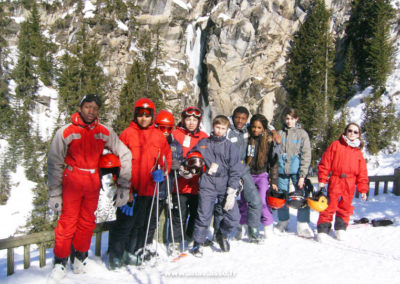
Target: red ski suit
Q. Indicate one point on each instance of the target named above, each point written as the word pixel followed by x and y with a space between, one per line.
pixel 188 140
pixel 148 146
pixel 348 169
pixel 73 173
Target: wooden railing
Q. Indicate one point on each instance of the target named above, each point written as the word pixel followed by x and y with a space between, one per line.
pixel 43 238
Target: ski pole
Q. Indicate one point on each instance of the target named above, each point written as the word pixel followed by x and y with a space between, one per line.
pixel 149 219
pixel 179 209
pixel 169 202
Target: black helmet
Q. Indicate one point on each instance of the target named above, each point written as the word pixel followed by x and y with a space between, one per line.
pixel 296 199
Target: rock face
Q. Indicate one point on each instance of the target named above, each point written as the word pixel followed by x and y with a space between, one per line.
pixel 217 54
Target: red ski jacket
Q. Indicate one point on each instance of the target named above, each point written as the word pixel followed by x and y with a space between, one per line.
pixel 343 162
pixel 148 146
pixel 80 145
pixel 188 140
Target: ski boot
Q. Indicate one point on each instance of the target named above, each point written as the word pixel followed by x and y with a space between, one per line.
pixel 79 261
pixel 114 262
pixel 282 226
pixel 59 269
pixel 304 230
pixel 173 249
pixel 340 235
pixel 197 249
pixel 323 238
pixel 223 242
pixel 240 232
pixel 131 259
pixel 254 236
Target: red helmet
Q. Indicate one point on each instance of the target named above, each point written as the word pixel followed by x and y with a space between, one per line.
pixel 144 105
pixel 166 118
pixel 276 199
pixel 195 163
pixel 109 161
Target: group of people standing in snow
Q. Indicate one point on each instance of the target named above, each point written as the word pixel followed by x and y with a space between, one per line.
pixel 226 175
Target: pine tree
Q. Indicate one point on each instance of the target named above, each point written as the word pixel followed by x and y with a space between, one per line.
pixel 6 112
pixel 346 78
pixel 80 73
pixel 309 77
pixel 5 186
pixel 381 125
pixel 368 30
pixel 380 46
pixel 142 80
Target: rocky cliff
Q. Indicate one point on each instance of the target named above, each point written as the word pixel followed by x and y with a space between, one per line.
pixel 217 54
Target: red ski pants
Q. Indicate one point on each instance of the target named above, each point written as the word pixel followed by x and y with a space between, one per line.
pixel 340 193
pixel 77 220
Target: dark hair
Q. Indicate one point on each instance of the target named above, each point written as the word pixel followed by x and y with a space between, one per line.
pixel 241 109
pixel 90 98
pixel 221 119
pixel 265 139
pixel 359 132
pixel 292 112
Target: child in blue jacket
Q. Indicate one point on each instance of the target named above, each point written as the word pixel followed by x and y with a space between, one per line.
pixel 220 182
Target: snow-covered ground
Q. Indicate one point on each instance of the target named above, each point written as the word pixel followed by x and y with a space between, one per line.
pixel 369 255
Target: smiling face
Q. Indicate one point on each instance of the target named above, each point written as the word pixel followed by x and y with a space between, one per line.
pixel 257 128
pixel 352 132
pixel 89 111
pixel 290 121
pixel 240 120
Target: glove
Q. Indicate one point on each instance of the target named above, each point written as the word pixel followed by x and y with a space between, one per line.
pixel 175 165
pixel 230 199
pixel 185 173
pixel 158 176
pixel 127 209
pixel 55 203
pixel 121 197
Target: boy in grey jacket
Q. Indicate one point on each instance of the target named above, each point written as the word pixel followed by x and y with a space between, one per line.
pixel 293 164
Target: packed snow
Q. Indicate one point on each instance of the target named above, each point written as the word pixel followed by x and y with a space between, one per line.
pixel 369 255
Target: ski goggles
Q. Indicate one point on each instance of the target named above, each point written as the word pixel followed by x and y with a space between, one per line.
pixel 143 112
pixel 192 112
pixel 164 128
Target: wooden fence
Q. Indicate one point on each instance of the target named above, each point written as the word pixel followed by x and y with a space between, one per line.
pixel 43 238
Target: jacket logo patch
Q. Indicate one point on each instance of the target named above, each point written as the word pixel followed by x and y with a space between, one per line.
pixel 204 147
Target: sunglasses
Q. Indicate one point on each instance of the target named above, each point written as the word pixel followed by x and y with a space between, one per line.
pixel 164 128
pixel 143 112
pixel 352 131
pixel 193 112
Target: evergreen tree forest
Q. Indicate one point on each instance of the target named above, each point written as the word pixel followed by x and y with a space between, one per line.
pixel 324 71
pixel 320 80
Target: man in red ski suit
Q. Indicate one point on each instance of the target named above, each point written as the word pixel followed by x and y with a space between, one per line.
pixel 74 182
pixel 188 134
pixel 149 147
pixel 345 162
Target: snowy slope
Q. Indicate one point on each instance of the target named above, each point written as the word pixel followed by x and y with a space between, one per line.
pixel 370 255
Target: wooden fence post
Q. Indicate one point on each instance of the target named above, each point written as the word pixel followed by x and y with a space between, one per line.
pixel 396 183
